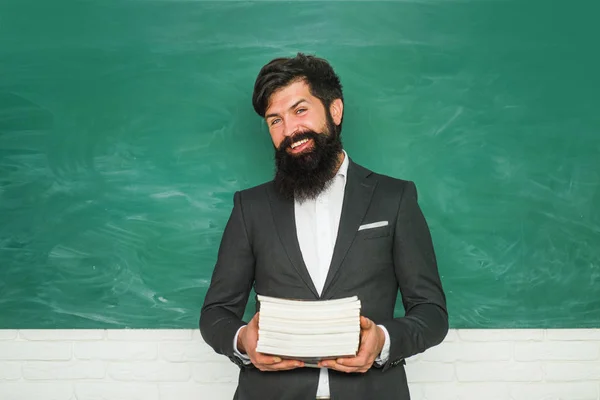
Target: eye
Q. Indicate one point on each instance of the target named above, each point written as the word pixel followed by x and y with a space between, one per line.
pixel 275 121
pixel 300 110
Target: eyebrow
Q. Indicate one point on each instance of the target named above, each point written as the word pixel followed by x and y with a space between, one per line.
pixel 291 108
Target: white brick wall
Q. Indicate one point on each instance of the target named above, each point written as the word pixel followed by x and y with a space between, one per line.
pixel 178 365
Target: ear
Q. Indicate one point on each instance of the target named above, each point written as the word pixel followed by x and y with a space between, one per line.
pixel 337 110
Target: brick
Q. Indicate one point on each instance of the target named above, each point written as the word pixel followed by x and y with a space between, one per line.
pixel 190 391
pixel 16 350
pixel 500 335
pixel 466 391
pixel 37 391
pixel 10 370
pixel 193 351
pixel 156 371
pixel 573 334
pixel 572 371
pixel 149 335
pixel 67 370
pixel 551 391
pixel 215 372
pixel 557 351
pixel 8 334
pixel 116 391
pixel 452 336
pixel 465 351
pixel 417 391
pixel 116 351
pixel 430 372
pixel 61 334
pixel 503 371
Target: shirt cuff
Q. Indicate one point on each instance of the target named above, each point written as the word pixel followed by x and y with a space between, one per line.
pixel 245 359
pixel 385 351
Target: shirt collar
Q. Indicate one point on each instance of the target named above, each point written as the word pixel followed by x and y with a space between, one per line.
pixel 343 170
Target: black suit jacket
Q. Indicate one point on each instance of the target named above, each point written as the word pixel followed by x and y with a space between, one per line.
pixel 260 248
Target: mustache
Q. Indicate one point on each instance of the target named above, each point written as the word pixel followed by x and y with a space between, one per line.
pixel 289 140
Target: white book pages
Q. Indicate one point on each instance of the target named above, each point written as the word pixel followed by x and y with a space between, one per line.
pixel 266 319
pixel 306 303
pixel 290 319
pixel 332 352
pixel 310 315
pixel 279 308
pixel 312 339
pixel 309 329
pixel 316 351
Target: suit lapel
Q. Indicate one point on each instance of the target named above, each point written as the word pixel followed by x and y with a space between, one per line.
pixel 357 197
pixel 285 223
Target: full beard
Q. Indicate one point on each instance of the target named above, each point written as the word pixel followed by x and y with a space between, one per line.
pixel 306 175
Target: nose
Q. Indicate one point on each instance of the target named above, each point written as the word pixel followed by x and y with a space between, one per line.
pixel 290 129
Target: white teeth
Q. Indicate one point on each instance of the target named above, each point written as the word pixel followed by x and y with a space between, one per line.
pixel 298 143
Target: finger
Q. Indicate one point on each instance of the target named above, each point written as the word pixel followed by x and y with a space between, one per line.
pixel 365 323
pixel 284 365
pixel 364 359
pixel 357 362
pixel 265 359
pixel 350 362
pixel 332 364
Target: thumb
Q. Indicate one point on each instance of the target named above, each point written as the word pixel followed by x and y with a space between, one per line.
pixel 254 321
pixel 365 323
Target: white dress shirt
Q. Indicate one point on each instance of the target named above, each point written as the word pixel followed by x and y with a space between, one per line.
pixel 317 222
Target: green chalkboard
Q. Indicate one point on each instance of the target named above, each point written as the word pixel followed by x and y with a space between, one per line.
pixel 126 126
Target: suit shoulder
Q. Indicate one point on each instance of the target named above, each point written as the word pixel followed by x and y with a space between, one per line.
pixel 256 193
pixel 390 180
pixel 386 181
pixel 394 187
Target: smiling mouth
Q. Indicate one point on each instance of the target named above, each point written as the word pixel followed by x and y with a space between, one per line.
pixel 299 143
pixel 301 146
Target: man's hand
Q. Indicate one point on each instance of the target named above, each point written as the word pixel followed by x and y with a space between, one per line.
pixel 246 343
pixel 372 339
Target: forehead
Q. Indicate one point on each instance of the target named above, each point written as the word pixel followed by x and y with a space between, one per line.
pixel 287 96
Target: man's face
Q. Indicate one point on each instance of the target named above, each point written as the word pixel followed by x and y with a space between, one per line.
pixel 293 110
pixel 307 142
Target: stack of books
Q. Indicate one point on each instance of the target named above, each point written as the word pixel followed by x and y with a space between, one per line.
pixel 309 330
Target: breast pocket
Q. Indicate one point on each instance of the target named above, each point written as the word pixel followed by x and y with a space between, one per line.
pixel 373 233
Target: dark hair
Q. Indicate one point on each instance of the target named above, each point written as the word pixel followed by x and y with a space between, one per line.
pixel 322 81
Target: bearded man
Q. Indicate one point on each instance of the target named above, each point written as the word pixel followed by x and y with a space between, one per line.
pixel 323 228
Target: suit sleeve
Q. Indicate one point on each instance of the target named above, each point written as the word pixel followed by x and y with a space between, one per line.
pixel 425 323
pixel 232 278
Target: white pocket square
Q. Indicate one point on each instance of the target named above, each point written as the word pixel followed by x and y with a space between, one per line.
pixel 373 225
